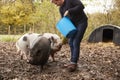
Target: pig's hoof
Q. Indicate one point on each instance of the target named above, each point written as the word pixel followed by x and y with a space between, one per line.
pixel 1 77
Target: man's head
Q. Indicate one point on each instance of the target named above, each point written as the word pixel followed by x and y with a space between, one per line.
pixel 57 2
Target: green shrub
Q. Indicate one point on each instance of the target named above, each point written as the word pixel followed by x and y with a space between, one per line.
pixel 9 38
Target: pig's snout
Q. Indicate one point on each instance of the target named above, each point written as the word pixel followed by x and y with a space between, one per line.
pixel 31 60
pixel 60 45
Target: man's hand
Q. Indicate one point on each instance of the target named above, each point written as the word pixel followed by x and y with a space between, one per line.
pixel 66 13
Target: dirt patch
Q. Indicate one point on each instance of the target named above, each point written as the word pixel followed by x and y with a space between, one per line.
pixel 97 62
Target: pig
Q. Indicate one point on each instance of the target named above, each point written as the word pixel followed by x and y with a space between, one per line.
pixel 55 38
pixel 53 50
pixel 28 41
pixel 56 43
pixel 25 42
pixel 40 52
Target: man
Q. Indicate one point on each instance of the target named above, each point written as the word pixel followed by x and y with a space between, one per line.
pixel 74 10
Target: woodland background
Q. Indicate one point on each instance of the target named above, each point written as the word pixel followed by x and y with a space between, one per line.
pixel 20 16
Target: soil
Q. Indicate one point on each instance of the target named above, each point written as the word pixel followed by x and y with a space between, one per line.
pixel 98 61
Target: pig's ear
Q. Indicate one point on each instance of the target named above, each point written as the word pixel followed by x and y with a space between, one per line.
pixel 25 38
pixel 51 39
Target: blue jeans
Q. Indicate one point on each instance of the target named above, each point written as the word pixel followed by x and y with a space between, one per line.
pixel 74 42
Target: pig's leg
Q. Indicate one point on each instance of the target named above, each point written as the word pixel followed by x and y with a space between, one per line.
pixel 20 53
pixel 52 56
pixel 52 52
pixel 24 56
pixel 41 66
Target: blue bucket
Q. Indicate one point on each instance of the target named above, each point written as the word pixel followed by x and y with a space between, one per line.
pixel 66 27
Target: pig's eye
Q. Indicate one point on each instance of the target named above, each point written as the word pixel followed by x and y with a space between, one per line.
pixel 38 52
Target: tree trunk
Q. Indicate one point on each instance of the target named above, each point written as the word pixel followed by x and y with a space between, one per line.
pixel 9 30
pixel 33 30
pixel 24 28
pixel 14 30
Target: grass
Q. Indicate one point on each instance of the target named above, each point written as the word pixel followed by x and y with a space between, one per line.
pixel 9 38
